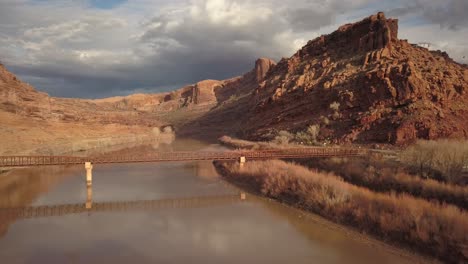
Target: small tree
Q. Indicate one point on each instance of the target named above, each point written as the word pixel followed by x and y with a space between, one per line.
pixel 335 106
pixel 336 115
pixel 303 138
pixel 325 121
pixel 313 131
pixel 309 136
pixel 283 137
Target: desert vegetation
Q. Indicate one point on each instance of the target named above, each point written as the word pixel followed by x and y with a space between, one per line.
pixel 311 135
pixel 379 174
pixel 335 107
pixel 436 229
pixel 277 143
pixel 283 138
pixel 444 159
pixel 308 137
pixel 389 176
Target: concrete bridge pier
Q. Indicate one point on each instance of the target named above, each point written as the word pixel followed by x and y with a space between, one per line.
pixel 243 196
pixel 89 173
pixel 242 161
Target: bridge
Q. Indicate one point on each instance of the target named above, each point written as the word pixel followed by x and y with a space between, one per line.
pixel 296 153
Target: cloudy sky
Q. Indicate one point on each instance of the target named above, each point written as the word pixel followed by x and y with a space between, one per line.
pixel 99 48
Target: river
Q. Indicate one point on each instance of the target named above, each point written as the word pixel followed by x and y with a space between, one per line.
pixel 190 215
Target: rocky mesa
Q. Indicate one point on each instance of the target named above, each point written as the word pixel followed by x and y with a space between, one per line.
pixel 362 84
pixel 359 84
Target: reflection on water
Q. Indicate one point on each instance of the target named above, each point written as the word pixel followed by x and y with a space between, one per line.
pixel 89 196
pixel 203 221
pixel 20 187
pixel 125 206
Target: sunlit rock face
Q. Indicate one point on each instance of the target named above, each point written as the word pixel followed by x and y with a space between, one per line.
pixel 386 89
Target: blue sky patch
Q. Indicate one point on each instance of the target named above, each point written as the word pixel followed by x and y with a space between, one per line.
pixel 106 4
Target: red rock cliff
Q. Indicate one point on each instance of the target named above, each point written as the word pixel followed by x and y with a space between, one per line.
pixel 386 89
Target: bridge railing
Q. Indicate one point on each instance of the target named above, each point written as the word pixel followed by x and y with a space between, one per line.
pixel 7 161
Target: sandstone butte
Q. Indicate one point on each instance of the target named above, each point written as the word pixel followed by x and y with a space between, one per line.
pixel 385 90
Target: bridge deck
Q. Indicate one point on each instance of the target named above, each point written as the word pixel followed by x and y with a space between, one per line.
pixel 20 161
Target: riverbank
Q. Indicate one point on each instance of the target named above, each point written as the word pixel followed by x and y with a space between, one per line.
pixel 378 172
pixel 386 176
pixel 432 229
pixel 98 146
pixel 27 136
pixel 303 219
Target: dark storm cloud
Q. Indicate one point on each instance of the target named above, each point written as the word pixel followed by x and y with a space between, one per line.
pixel 68 48
pixel 451 14
pixel 182 44
pixel 305 19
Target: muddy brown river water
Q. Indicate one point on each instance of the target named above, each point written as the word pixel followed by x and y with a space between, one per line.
pixel 180 230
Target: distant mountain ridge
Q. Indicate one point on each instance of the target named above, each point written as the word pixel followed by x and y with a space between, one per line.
pixel 34 122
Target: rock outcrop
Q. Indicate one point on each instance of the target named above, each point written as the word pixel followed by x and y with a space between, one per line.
pixel 386 89
pixel 262 66
pixel 231 109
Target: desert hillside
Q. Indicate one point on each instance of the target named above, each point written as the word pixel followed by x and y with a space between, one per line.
pixel 35 123
pixel 359 84
pixel 363 84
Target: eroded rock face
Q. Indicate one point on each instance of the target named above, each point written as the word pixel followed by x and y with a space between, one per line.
pixel 262 66
pixel 18 97
pixel 387 90
pixel 204 92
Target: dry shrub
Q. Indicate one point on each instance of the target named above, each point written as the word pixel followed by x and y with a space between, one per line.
pixel 255 145
pixel 384 176
pixel 439 230
pixel 313 131
pixel 448 157
pixel 283 138
pixel 237 143
pixel 324 120
pixel 309 136
pixel 335 106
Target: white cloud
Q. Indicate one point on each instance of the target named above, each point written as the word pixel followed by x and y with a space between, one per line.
pixel 454 43
pixel 231 13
